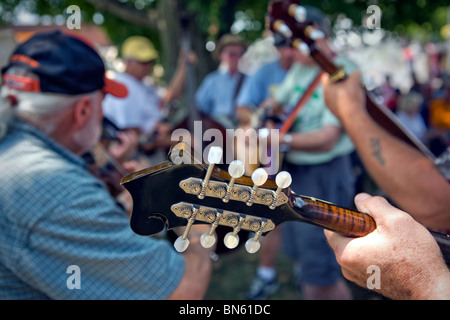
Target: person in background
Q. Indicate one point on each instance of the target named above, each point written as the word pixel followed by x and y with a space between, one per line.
pixel 319 160
pixel 408 111
pixel 411 264
pixel 409 260
pixel 390 94
pixel 439 114
pixel 258 88
pixel 403 173
pixel 142 111
pixel 256 95
pixel 56 216
pixel 217 93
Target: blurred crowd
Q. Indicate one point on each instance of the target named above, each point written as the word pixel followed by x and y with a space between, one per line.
pixel 41 138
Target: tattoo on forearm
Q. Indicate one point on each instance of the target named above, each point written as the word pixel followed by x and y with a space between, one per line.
pixel 375 145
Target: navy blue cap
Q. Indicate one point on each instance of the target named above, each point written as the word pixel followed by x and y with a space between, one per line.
pixel 64 63
pixel 279 40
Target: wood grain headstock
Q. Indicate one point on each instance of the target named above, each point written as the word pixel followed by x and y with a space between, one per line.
pixel 290 19
pixel 185 190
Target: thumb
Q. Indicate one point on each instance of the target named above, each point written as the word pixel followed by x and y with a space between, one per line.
pixel 325 78
pixel 377 207
pixel 337 242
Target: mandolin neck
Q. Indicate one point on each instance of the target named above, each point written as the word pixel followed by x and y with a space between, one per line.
pixel 332 217
pixel 380 114
pixel 348 222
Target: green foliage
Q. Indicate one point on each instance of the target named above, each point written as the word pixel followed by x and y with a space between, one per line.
pixel 215 17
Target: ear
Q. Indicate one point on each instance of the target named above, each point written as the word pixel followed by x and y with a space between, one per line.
pixel 82 112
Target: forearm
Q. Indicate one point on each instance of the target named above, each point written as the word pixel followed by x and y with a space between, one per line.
pixel 408 262
pixel 404 174
pixel 197 274
pixel 316 141
pixel 176 87
pixel 436 290
pixel 244 115
pixel 198 268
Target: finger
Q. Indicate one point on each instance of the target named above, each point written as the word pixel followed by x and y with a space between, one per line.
pixel 337 242
pixel 356 76
pixel 325 79
pixel 360 200
pixel 377 207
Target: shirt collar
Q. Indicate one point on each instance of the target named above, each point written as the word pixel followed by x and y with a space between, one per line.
pixel 50 143
pixel 223 69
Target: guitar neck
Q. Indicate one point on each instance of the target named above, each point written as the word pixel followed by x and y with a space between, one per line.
pixel 332 217
pixel 348 222
pixel 388 121
pixel 380 114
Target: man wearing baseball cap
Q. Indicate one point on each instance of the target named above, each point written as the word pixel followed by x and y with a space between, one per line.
pixel 143 109
pixel 216 95
pixel 63 236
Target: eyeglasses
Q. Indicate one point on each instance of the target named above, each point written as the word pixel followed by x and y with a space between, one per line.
pixel 146 62
pixel 233 53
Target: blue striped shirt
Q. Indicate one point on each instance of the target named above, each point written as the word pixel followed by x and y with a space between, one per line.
pixel 215 95
pixel 54 214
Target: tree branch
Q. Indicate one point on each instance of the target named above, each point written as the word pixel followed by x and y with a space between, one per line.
pixel 125 12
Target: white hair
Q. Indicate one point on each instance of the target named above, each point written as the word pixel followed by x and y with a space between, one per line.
pixel 42 109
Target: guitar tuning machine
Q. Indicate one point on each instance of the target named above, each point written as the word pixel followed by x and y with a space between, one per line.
pixel 182 242
pixel 215 217
pixel 283 180
pixel 282 28
pixel 313 33
pixel 236 170
pixel 214 157
pixel 252 245
pixel 208 239
pixel 231 239
pixel 259 177
pixel 298 12
pixel 301 46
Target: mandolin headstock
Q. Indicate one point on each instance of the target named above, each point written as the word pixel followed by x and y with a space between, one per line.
pixel 185 190
pixel 293 22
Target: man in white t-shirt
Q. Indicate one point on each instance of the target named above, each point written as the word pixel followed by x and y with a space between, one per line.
pixel 142 110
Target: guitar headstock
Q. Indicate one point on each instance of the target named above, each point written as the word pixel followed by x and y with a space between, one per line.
pixel 291 20
pixel 185 190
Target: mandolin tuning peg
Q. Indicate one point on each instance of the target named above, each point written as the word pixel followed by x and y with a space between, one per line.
pixel 281 27
pixel 231 240
pixel 236 169
pixel 181 244
pixel 215 155
pixel 298 12
pixel 252 245
pixel 208 239
pixel 263 133
pixel 316 34
pixel 302 47
pixel 283 179
pixel 259 177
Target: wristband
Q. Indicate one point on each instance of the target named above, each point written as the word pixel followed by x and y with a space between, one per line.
pixel 286 144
